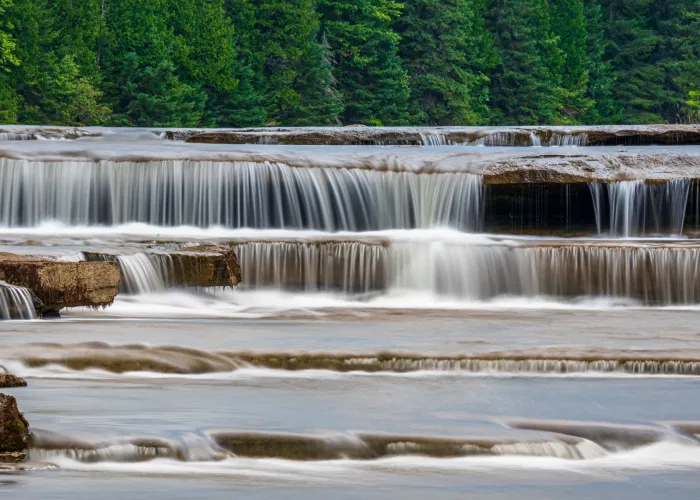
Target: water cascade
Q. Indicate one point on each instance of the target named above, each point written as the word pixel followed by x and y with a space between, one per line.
pixel 234 194
pixel 16 302
pixel 141 272
pixel 653 275
pixel 635 207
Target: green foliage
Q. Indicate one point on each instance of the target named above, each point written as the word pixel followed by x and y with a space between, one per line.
pixel 239 63
pixel 71 98
pixel 527 83
pixel 373 84
pixel 448 67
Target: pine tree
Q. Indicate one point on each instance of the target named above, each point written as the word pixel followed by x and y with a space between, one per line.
pixel 206 56
pixel 9 100
pixel 600 91
pixel 143 85
pixel 448 53
pixel 638 80
pixel 570 27
pixel 526 86
pixel 291 64
pixel 373 83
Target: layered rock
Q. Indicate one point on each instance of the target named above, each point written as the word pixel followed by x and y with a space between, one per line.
pixel 206 265
pixel 14 431
pixel 7 380
pixel 62 284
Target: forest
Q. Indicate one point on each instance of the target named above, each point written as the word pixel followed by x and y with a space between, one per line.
pixel 243 63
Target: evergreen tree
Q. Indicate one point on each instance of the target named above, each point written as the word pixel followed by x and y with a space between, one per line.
pixel 600 89
pixel 291 64
pixel 638 80
pixel 374 85
pixel 9 100
pixel 570 27
pixel 144 88
pixel 526 86
pixel 206 56
pixel 448 67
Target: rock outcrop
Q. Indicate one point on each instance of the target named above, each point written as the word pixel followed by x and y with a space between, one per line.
pixel 14 431
pixel 7 380
pixel 207 265
pixel 62 284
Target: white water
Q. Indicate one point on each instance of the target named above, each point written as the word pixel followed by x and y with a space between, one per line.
pixel 658 456
pixel 15 302
pixel 234 194
pixel 635 208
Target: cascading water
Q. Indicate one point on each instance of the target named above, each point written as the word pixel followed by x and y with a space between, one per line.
pixel 635 207
pixel 568 140
pixel 10 136
pixel 346 267
pixel 16 302
pixel 141 272
pixel 234 194
pixel 476 272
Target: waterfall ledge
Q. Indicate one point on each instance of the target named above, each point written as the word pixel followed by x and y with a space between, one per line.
pixel 56 285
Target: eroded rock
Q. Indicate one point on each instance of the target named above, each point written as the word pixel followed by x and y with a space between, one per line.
pixel 62 284
pixel 14 430
pixel 9 380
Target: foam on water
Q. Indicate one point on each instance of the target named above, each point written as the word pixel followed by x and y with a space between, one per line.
pixel 656 458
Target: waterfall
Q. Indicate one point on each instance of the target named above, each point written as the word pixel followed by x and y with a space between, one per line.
pixel 141 272
pixel 15 302
pixel 475 272
pixel 634 207
pixel 350 267
pixel 234 194
pixel 568 140
pixel 10 136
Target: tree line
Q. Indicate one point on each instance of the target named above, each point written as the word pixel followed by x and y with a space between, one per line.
pixel 239 63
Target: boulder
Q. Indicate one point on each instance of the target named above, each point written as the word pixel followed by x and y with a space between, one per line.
pixel 14 430
pixel 59 284
pixel 9 380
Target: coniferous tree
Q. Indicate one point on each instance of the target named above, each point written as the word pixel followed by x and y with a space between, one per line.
pixel 570 27
pixel 601 82
pixel 207 57
pixel 638 80
pixel 143 85
pixel 291 64
pixel 374 84
pixel 448 67
pixel 526 85
pixel 9 100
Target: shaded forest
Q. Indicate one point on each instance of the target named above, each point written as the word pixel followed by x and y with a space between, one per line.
pixel 239 63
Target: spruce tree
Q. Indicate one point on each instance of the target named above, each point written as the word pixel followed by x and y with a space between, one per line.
pixel 448 53
pixel 570 27
pixel 526 85
pixel 141 79
pixel 206 56
pixel 639 81
pixel 9 100
pixel 604 109
pixel 366 63
pixel 290 63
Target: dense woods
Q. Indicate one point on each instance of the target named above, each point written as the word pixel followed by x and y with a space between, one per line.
pixel 231 63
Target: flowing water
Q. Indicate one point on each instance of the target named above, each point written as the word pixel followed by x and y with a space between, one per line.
pixel 447 312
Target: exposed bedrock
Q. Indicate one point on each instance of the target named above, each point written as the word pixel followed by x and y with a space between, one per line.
pixel 61 284
pixel 486 136
pixel 191 266
pixel 14 431
pixel 7 380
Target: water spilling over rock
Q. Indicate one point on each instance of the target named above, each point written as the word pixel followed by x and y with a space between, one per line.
pixel 16 302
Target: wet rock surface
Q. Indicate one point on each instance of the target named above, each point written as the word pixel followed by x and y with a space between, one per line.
pixel 62 284
pixel 9 380
pixel 14 430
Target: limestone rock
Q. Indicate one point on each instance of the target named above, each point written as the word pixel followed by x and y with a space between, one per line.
pixel 9 380
pixel 62 284
pixel 14 429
